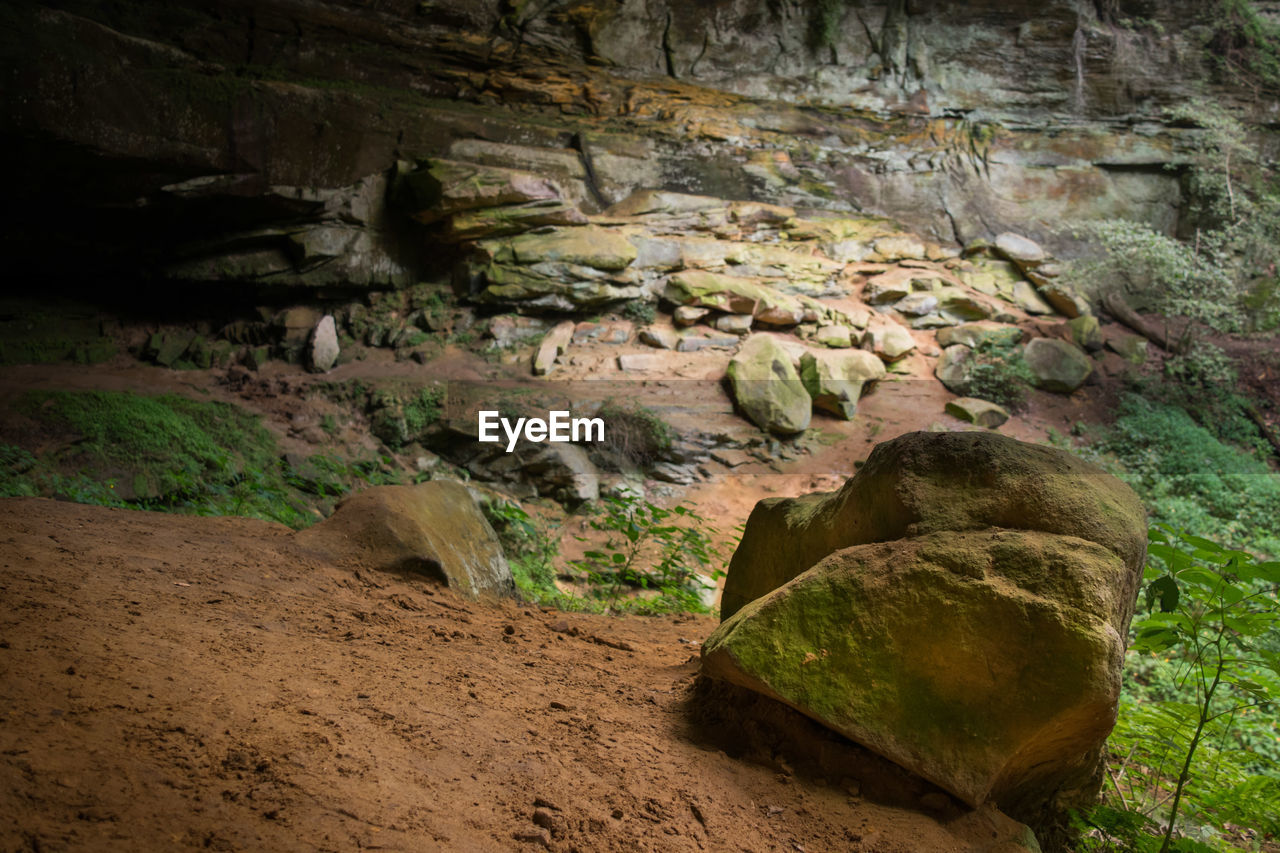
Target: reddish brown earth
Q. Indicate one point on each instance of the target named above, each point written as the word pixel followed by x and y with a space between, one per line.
pixel 171 682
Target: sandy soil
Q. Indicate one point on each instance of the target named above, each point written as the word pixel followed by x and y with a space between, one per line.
pixel 171 682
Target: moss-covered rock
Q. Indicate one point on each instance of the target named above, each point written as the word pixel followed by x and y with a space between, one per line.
pixel 437 188
pixel 835 380
pixel 960 606
pixel 433 528
pixel 980 334
pixel 986 661
pixel 589 246
pixel 767 387
pixel 1057 365
pixel 955 368
pixel 734 295
pixel 984 413
pixel 924 482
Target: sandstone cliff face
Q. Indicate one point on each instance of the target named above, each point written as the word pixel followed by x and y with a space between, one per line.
pixel 246 142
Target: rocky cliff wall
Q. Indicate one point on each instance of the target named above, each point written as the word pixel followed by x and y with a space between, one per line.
pixel 248 142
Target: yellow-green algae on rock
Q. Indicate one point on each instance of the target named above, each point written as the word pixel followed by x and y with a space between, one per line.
pixel 951 654
pixel 960 606
pixel 923 482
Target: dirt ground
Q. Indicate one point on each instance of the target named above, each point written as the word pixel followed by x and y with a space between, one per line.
pixel 171 682
pixel 174 682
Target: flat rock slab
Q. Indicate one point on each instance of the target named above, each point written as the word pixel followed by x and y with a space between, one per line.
pixel 984 413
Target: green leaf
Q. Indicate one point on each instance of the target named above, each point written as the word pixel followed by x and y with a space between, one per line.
pixel 1165 589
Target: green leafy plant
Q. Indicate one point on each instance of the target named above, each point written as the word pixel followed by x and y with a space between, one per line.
pixel 649 547
pixel 1190 477
pixel 531 552
pixel 1191 754
pixel 635 433
pixel 1245 45
pixel 1000 375
pixel 640 312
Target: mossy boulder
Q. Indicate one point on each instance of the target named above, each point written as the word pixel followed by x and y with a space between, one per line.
pixel 955 368
pixel 437 188
pixel 980 334
pixel 433 528
pixel 960 606
pixel 986 661
pixel 984 413
pixel 588 246
pixel 734 295
pixel 1057 365
pixel 923 482
pixel 835 380
pixel 767 387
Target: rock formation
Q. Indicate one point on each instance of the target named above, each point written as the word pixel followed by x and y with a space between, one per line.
pixel 959 606
pixel 433 528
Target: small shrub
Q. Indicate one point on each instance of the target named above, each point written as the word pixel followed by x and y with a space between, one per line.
pixel 640 312
pixel 531 554
pixel 1000 375
pixel 648 547
pixel 635 433
pixel 1179 768
pixel 1191 479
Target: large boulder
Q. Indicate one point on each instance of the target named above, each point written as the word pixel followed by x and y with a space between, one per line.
pixel 835 379
pixel 960 606
pixel 1057 365
pixel 924 482
pixel 987 662
pixel 433 528
pixel 767 387
pixel 955 368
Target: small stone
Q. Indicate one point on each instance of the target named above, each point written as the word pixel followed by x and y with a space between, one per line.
pixel 661 337
pixel 886 288
pixel 917 304
pixel 1131 348
pixel 893 342
pixel 901 247
pixel 1023 251
pixel 1086 332
pixel 534 836
pixel 643 362
pixel 688 315
pixel 834 336
pixel 553 345
pixel 1026 298
pixel 546 819
pixel 694 343
pixel 737 324
pixel 1065 300
pixel 324 351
